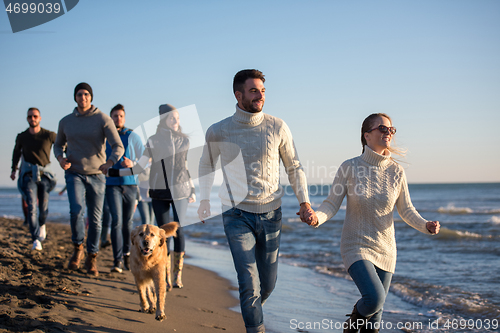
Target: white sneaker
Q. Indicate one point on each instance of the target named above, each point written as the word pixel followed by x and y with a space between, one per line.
pixel 37 245
pixel 43 233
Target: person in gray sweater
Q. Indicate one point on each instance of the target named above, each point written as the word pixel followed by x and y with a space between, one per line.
pixel 80 148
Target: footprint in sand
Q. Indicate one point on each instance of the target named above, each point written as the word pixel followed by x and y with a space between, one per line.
pixel 216 327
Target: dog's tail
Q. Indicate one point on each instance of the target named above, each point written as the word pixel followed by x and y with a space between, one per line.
pixel 170 228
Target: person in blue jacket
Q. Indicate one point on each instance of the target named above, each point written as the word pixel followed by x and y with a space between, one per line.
pixel 121 192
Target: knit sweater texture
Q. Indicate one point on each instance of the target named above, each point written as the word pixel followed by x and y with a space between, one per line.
pixel 83 138
pixel 250 146
pixel 374 184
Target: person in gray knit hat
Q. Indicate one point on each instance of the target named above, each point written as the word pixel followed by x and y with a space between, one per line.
pixel 80 148
pixel 170 184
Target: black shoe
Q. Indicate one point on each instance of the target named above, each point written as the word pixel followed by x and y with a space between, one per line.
pixel 105 244
pixel 126 262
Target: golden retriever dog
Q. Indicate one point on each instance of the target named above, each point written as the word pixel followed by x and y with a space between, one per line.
pixel 148 263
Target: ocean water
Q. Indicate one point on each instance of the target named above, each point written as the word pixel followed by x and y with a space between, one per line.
pixel 443 283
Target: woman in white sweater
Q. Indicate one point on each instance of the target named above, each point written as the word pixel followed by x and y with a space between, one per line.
pixel 373 183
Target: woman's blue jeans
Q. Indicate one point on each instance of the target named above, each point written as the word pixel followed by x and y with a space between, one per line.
pixel 373 284
pixel 85 190
pixel 254 240
pixel 162 213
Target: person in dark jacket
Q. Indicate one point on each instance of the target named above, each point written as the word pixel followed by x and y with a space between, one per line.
pixel 36 178
pixel 170 184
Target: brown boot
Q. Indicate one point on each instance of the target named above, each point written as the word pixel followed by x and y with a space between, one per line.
pixel 355 322
pixel 74 261
pixel 178 264
pixel 91 264
pixel 168 268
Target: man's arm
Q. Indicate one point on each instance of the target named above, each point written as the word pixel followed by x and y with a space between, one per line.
pixel 138 147
pixel 60 146
pixel 53 137
pixel 60 142
pixel 136 151
pixel 296 174
pixel 114 141
pixel 16 156
pixel 206 171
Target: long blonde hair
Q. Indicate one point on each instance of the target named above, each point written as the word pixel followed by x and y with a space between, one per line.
pixel 368 124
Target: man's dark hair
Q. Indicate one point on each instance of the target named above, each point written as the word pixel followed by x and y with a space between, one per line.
pixel 117 107
pixel 33 109
pixel 243 75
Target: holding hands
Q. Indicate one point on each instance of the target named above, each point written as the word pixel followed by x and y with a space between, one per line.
pixel 307 214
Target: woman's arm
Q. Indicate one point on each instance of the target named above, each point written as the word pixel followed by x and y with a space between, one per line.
pixel 409 214
pixel 192 196
pixel 338 191
pixel 135 170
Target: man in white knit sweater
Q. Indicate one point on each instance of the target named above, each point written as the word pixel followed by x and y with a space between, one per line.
pixel 250 145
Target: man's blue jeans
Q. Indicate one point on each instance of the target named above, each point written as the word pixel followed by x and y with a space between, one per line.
pixel 254 240
pixel 85 190
pixel 106 221
pixel 34 191
pixel 121 201
pixel 373 284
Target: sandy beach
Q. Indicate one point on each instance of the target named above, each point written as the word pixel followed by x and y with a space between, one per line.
pixel 38 293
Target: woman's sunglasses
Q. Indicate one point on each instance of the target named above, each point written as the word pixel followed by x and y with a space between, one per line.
pixel 384 129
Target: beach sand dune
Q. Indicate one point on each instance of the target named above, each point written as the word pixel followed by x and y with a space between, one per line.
pixel 38 294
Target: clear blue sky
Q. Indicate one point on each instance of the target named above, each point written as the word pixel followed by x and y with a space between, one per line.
pixel 433 66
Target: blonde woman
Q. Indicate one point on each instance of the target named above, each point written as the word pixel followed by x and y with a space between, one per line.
pixel 374 184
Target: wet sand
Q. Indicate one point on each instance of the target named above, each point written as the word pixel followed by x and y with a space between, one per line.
pixel 38 293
